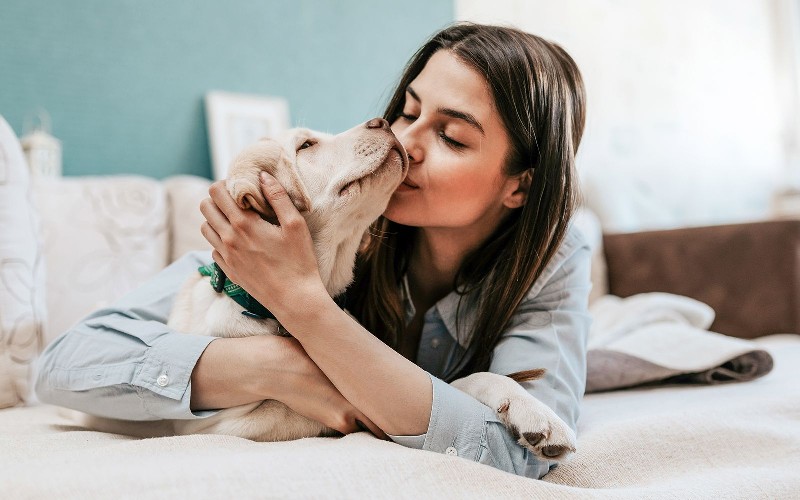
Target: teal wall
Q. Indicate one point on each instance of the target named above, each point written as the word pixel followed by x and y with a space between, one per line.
pixel 124 79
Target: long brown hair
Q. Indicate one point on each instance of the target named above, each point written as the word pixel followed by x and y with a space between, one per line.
pixel 538 92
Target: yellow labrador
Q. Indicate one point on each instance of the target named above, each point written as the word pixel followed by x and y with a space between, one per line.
pixel 340 184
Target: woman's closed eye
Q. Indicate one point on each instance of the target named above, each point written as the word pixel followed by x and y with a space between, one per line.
pixel 451 142
pixel 447 139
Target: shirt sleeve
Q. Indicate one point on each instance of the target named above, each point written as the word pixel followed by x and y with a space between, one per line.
pixel 549 330
pixel 123 361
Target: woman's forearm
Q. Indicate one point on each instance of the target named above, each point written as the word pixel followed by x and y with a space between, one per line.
pixel 237 371
pixel 392 391
pixel 388 389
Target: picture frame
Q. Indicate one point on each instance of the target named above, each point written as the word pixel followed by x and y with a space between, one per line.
pixel 236 120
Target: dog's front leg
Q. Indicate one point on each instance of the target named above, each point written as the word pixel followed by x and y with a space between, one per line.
pixel 535 425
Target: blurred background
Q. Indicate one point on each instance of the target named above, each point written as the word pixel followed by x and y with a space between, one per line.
pixel 124 80
pixel 692 106
pixel 693 114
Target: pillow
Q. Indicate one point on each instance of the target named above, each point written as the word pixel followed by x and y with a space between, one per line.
pixel 103 236
pixel 184 194
pixel 22 276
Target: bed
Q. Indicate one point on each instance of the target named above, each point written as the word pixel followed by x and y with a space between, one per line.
pixel 728 441
pixel 731 440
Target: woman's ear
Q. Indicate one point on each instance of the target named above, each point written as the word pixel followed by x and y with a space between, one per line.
pixel 516 189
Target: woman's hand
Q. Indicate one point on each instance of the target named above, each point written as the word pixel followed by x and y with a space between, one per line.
pixel 306 390
pixel 237 371
pixel 275 264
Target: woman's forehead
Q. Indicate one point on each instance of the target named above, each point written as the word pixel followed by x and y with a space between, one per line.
pixel 447 82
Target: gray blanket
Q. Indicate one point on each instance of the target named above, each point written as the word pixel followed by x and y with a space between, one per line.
pixel 662 339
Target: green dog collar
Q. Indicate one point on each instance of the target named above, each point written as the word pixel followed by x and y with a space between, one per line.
pixel 252 308
pixel 221 283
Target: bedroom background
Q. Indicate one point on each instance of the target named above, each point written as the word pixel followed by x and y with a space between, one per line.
pixel 693 112
pixel 692 120
pixel 124 80
pixel 692 116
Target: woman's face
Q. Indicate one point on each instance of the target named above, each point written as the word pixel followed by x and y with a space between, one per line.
pixel 457 145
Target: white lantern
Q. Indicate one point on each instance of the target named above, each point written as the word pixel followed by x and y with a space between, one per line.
pixel 42 150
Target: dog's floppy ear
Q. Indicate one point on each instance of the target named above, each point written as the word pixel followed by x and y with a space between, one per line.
pixel 267 155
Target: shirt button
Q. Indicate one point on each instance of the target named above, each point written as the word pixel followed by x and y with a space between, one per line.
pixel 451 451
pixel 162 380
pixel 435 343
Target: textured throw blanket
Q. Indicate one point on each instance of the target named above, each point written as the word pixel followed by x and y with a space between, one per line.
pixel 728 441
pixel 660 338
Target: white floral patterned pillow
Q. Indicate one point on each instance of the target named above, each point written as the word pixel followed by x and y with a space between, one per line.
pixel 22 276
pixel 103 236
pixel 184 193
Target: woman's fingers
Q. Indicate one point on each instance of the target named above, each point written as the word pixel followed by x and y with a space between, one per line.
pixel 344 427
pixel 306 390
pixel 360 422
pixel 368 425
pixel 221 262
pixel 214 216
pixel 279 200
pixel 223 200
pixel 353 420
pixel 210 235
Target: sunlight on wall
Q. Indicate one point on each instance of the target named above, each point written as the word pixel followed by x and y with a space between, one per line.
pixel 684 122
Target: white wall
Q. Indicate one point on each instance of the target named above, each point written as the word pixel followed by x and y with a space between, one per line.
pixel 686 119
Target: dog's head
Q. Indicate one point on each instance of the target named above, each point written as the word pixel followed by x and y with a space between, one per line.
pixel 335 180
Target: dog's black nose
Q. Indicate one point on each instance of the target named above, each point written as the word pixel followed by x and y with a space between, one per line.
pixel 378 123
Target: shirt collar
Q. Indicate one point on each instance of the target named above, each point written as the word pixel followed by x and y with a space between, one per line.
pixel 447 308
pixel 448 311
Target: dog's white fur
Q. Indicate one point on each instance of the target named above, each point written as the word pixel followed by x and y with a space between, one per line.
pixel 340 184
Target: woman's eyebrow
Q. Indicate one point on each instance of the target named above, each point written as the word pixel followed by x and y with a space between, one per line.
pixel 452 113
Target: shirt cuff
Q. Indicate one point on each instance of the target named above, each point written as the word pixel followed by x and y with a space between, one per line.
pixel 166 374
pixel 456 426
pixel 415 442
pixel 462 426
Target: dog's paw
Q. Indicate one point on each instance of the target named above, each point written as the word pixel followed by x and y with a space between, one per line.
pixel 537 428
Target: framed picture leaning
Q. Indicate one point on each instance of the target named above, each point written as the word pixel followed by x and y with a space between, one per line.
pixel 238 120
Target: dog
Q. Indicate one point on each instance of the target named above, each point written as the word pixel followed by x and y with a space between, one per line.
pixel 340 184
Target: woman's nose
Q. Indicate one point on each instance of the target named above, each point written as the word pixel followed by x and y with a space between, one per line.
pixel 411 143
pixel 378 123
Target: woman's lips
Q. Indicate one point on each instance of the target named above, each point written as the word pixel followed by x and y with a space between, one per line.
pixel 406 186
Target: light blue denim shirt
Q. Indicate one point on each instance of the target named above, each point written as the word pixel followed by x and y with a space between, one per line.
pixel 124 362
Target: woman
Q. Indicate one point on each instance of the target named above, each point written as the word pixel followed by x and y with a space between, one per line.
pixel 472 267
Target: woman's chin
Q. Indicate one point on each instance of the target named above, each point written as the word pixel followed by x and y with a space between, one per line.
pixel 398 213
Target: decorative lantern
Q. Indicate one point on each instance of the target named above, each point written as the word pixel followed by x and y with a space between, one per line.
pixel 42 150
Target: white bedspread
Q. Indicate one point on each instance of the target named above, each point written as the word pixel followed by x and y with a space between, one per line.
pixel 728 441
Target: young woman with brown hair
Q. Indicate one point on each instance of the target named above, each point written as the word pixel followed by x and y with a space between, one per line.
pixel 473 266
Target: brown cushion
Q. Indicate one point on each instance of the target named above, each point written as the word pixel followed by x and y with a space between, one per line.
pixel 749 273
